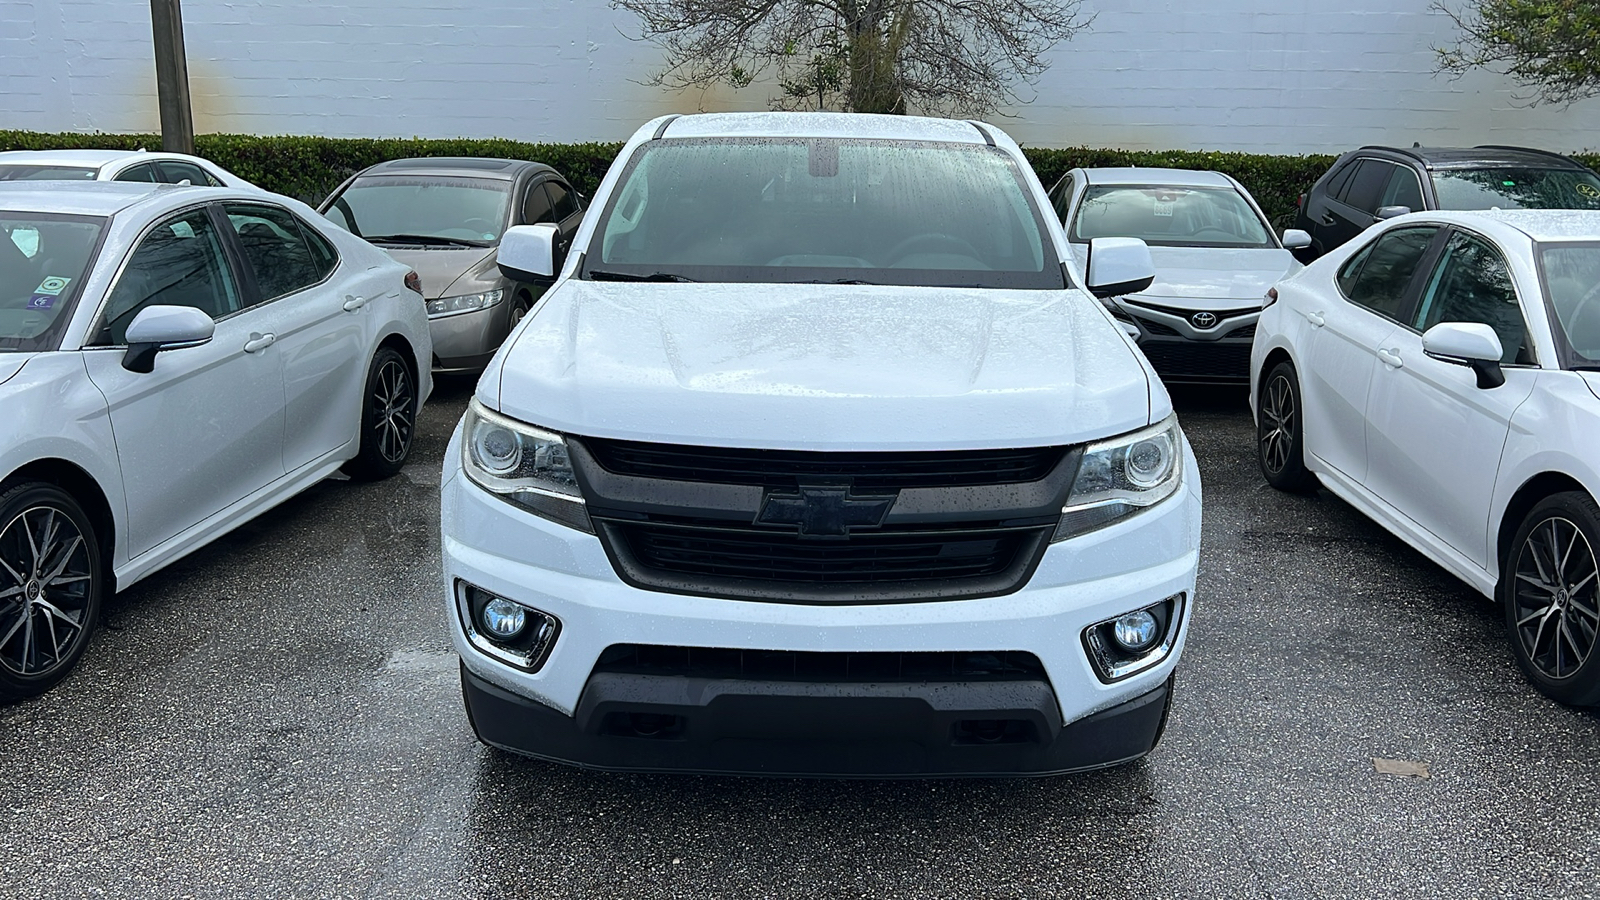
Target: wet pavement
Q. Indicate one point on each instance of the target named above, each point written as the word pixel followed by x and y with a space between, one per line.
pixel 279 716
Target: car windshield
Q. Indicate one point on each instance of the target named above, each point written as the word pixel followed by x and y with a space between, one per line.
pixel 42 262
pixel 1170 216
pixel 1517 188
pixel 1571 273
pixel 773 210
pixel 21 172
pixel 423 209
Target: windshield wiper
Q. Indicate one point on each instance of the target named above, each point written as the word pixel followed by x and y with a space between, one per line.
pixel 837 281
pixel 603 275
pixel 424 239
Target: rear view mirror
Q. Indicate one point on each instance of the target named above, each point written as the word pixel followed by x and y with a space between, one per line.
pixel 1295 239
pixel 1119 265
pixel 1389 212
pixel 1470 344
pixel 528 252
pixel 159 328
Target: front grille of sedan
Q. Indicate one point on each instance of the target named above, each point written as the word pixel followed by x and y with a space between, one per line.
pixel 939 525
pixel 1199 360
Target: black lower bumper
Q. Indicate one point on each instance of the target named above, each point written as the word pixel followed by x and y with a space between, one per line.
pixel 781 728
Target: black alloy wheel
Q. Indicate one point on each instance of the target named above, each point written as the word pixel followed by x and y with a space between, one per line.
pixel 1551 590
pixel 1278 432
pixel 51 582
pixel 388 418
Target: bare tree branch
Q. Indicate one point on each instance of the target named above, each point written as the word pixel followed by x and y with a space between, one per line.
pixel 1547 46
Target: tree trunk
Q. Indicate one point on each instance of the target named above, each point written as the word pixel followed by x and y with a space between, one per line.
pixel 874 49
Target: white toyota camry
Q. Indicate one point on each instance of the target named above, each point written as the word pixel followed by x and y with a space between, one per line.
pixel 1441 374
pixel 115 165
pixel 174 361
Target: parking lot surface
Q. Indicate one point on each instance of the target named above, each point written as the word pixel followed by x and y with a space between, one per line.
pixel 279 716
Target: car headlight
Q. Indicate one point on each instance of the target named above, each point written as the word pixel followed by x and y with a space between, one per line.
pixel 1120 476
pixel 449 306
pixel 522 464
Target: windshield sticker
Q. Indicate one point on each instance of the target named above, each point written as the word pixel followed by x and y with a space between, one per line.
pixel 1164 207
pixel 52 286
pixel 1589 190
pixel 41 301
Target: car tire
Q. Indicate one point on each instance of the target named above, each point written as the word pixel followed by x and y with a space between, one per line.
pixel 388 418
pixel 1550 588
pixel 1279 440
pixel 51 584
pixel 519 308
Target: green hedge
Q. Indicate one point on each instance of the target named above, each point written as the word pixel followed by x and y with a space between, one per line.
pixel 310 167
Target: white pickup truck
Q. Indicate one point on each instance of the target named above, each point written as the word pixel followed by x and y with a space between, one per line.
pixel 816 460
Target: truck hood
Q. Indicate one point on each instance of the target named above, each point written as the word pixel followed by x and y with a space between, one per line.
pixel 1210 278
pixel 11 364
pixel 822 367
pixel 439 267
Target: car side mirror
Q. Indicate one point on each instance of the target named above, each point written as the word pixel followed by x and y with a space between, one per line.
pixel 1471 344
pixel 528 252
pixel 159 328
pixel 1389 212
pixel 1295 239
pixel 1118 265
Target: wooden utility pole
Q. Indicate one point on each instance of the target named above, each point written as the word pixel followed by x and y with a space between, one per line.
pixel 172 77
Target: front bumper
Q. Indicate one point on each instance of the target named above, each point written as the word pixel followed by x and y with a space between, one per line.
pixel 562 710
pixel 1182 352
pixel 783 728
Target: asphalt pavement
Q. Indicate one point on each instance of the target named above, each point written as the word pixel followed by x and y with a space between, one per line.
pixel 279 715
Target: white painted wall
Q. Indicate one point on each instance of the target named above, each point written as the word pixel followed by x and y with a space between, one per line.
pixel 1256 75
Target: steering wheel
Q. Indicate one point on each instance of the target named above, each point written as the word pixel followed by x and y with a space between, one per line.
pixel 1213 234
pixel 932 242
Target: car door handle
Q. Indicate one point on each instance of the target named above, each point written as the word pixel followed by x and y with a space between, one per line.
pixel 1316 319
pixel 1391 358
pixel 1327 219
pixel 353 303
pixel 259 341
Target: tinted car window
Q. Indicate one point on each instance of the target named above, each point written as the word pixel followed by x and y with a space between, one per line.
pixel 323 254
pixel 537 208
pixel 1386 270
pixel 1404 189
pixel 563 200
pixel 1512 188
pixel 1061 197
pixel 1340 179
pixel 176 171
pixel 275 248
pixel 824 209
pixel 142 172
pixel 43 258
pixel 179 263
pixel 1368 183
pixel 1471 284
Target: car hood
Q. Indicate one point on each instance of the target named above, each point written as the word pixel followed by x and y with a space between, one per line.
pixel 11 364
pixel 822 367
pixel 1211 278
pixel 439 267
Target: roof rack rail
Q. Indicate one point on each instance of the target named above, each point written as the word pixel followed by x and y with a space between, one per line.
pixel 987 137
pixel 1403 151
pixel 662 129
pixel 1561 156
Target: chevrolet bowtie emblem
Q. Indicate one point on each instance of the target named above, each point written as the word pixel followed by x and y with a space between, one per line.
pixel 824 511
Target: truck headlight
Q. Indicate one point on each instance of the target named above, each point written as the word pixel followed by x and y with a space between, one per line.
pixel 449 306
pixel 1120 476
pixel 522 464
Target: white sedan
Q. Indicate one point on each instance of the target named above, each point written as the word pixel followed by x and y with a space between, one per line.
pixel 1215 257
pixel 174 361
pixel 115 165
pixel 1440 373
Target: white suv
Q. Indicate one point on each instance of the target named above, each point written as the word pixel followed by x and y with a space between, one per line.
pixel 816 460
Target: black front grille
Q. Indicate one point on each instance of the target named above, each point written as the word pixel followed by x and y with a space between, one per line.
pixel 875 471
pixel 779 665
pixel 863 558
pixel 1154 327
pixel 1200 360
pixel 1246 333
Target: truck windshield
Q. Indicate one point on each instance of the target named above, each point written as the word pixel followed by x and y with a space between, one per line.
pixel 827 210
pixel 42 262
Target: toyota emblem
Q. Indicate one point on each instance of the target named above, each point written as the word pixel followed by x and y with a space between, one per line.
pixel 1203 320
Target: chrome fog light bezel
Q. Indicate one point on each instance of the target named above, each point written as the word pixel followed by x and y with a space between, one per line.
pixel 1113 662
pixel 527 649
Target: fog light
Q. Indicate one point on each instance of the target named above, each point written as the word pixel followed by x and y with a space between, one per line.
pixel 1135 631
pixel 505 620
